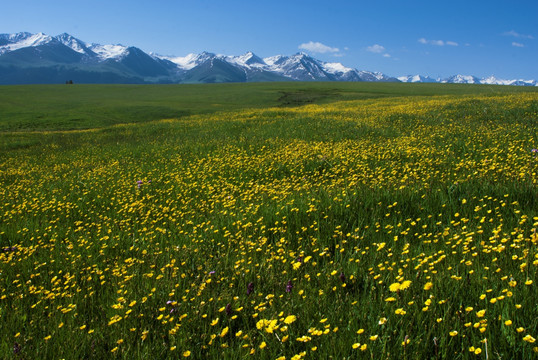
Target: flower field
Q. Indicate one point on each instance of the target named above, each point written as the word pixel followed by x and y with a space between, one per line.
pixel 388 228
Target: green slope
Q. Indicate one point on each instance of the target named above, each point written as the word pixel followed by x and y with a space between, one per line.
pixel 53 107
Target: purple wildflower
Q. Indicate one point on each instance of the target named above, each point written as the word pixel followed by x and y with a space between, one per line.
pixel 250 288
pixel 211 272
pixel 289 287
pixel 139 183
pixel 342 277
pixel 229 310
pixel 171 303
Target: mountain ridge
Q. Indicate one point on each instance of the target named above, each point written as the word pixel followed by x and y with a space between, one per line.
pixel 39 58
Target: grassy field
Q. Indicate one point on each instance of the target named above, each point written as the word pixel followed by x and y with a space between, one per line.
pixel 269 221
pixel 64 107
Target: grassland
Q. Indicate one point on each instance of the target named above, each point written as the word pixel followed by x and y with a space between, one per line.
pixel 46 107
pixel 269 221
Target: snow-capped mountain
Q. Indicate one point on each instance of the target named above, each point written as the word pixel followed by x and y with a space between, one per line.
pixel 417 79
pixel 462 79
pixel 13 42
pixel 247 60
pixel 467 79
pixel 73 43
pixel 492 80
pixel 39 58
pixel 300 67
pixel 187 62
pixel 27 58
pixel 105 52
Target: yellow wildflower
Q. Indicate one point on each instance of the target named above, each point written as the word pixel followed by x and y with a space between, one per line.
pixel 290 319
pixel 428 286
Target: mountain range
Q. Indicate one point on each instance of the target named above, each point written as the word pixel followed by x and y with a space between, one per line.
pixel 467 79
pixel 27 58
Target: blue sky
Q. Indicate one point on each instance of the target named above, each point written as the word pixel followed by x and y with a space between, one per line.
pixel 435 38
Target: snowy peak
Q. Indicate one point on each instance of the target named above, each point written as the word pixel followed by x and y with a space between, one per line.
pixel 185 63
pixel 248 59
pixel 274 60
pixel 73 43
pixel 13 42
pixel 467 79
pixel 492 80
pixel 106 52
pixel 416 79
pixel 298 67
pixel 204 57
pixel 35 40
pixel 6 39
pixel 522 82
pixel 337 68
pixel 190 61
pixel 462 79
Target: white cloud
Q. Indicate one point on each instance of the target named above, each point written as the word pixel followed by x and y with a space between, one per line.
pixel 516 44
pixel 517 35
pixel 437 42
pixel 317 47
pixel 378 49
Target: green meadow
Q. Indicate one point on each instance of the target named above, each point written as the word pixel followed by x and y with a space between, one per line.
pixel 52 107
pixel 269 221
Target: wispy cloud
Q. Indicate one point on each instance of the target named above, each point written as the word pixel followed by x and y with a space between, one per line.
pixel 431 42
pixel 516 44
pixel 317 47
pixel 437 42
pixel 377 49
pixel 517 35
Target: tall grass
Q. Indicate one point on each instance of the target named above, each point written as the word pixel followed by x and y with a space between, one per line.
pixel 401 227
